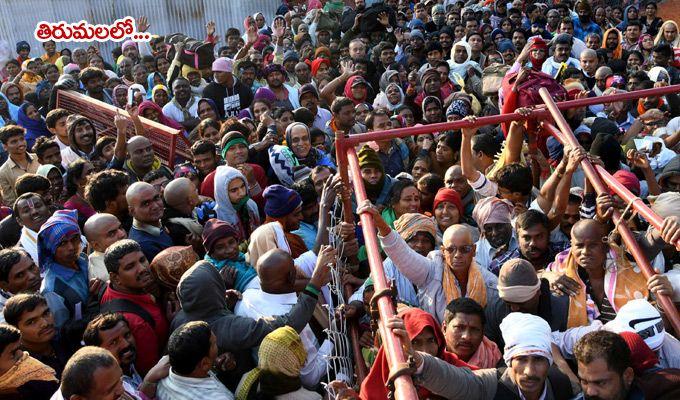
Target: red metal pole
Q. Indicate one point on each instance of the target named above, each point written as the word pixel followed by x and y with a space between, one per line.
pixel 568 137
pixel 403 385
pixel 341 157
pixel 538 113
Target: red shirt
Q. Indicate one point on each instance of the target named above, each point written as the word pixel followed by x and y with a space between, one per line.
pixel 208 185
pixel 150 340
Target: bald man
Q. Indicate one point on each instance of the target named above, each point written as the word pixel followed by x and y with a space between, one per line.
pixel 443 275
pixel 146 208
pixel 276 296
pixel 101 230
pixel 597 262
pixel 521 290
pixel 181 197
pixel 454 179
pixel 589 64
pixel 142 159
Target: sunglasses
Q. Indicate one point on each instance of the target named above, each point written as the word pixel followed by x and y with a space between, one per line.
pixel 463 249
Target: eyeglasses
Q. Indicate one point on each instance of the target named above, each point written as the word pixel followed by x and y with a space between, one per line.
pixel 463 249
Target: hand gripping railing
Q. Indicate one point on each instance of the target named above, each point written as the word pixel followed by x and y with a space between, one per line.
pixel 596 179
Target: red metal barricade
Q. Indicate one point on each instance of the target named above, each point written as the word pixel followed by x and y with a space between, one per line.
pixel 348 164
pixel 168 143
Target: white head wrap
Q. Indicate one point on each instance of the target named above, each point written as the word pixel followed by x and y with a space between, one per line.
pixel 642 318
pixel 525 335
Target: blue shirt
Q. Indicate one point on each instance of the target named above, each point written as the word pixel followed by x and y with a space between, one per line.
pixel 396 159
pixel 308 234
pixel 581 30
pixel 70 284
pixel 152 239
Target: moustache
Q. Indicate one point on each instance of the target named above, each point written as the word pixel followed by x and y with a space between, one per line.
pixel 129 349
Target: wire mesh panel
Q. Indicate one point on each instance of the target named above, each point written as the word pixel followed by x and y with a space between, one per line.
pixel 169 144
pixel 340 362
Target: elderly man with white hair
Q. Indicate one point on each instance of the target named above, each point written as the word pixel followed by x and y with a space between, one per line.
pixel 529 373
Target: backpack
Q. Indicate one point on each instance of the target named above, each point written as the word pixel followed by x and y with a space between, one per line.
pixel 127 306
pixel 528 90
pixel 196 53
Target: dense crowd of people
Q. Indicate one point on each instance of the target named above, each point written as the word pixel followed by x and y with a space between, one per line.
pixel 128 276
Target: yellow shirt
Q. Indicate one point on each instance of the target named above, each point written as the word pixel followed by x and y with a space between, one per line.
pixel 10 172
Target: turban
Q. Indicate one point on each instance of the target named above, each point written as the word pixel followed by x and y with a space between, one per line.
pixel 538 44
pixel 512 273
pixel 316 64
pixel 261 42
pixel 525 335
pixel 642 318
pixel 629 180
pixel 492 210
pixel 667 204
pixel 275 68
pixel 450 195
pixel 280 201
pixel 427 74
pixel 290 55
pixel 281 353
pixel 369 158
pixel 214 230
pixel 641 356
pixel 60 226
pixel 170 264
pixel 409 224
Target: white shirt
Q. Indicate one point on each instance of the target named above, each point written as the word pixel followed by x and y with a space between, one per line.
pixel 96 268
pixel 170 110
pixel 29 242
pixel 257 304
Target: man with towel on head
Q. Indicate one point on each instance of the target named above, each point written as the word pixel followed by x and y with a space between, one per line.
pixel 520 290
pixel 528 374
pixel 497 243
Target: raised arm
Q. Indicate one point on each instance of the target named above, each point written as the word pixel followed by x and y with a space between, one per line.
pixel 328 92
pixel 417 269
pixel 469 171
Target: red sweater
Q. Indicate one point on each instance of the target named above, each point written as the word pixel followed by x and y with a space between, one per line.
pixel 150 340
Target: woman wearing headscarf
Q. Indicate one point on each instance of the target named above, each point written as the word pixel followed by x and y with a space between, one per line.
pixel 432 110
pixel 160 95
pixel 236 208
pixel 8 111
pixel 120 95
pixel 356 89
pixel 298 153
pixel 149 109
pixel 167 269
pixel 29 117
pixel 426 336
pixel 207 109
pixel 391 98
pixel 153 79
pixel 668 33
pixel 629 13
pixel 281 357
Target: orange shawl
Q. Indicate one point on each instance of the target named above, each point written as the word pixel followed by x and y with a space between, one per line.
pixel 297 245
pixel 25 370
pixel 476 288
pixel 623 282
pixel 618 51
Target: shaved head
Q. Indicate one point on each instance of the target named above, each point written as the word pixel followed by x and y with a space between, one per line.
pixel 457 231
pixel 137 142
pixel 178 191
pixel 136 189
pixel 276 271
pixel 102 230
pixel 588 228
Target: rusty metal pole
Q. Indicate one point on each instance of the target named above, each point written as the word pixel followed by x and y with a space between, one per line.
pixel 568 138
pixel 348 216
pixel 403 384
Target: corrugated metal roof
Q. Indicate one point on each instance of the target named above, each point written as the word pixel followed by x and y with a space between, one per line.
pixel 18 18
